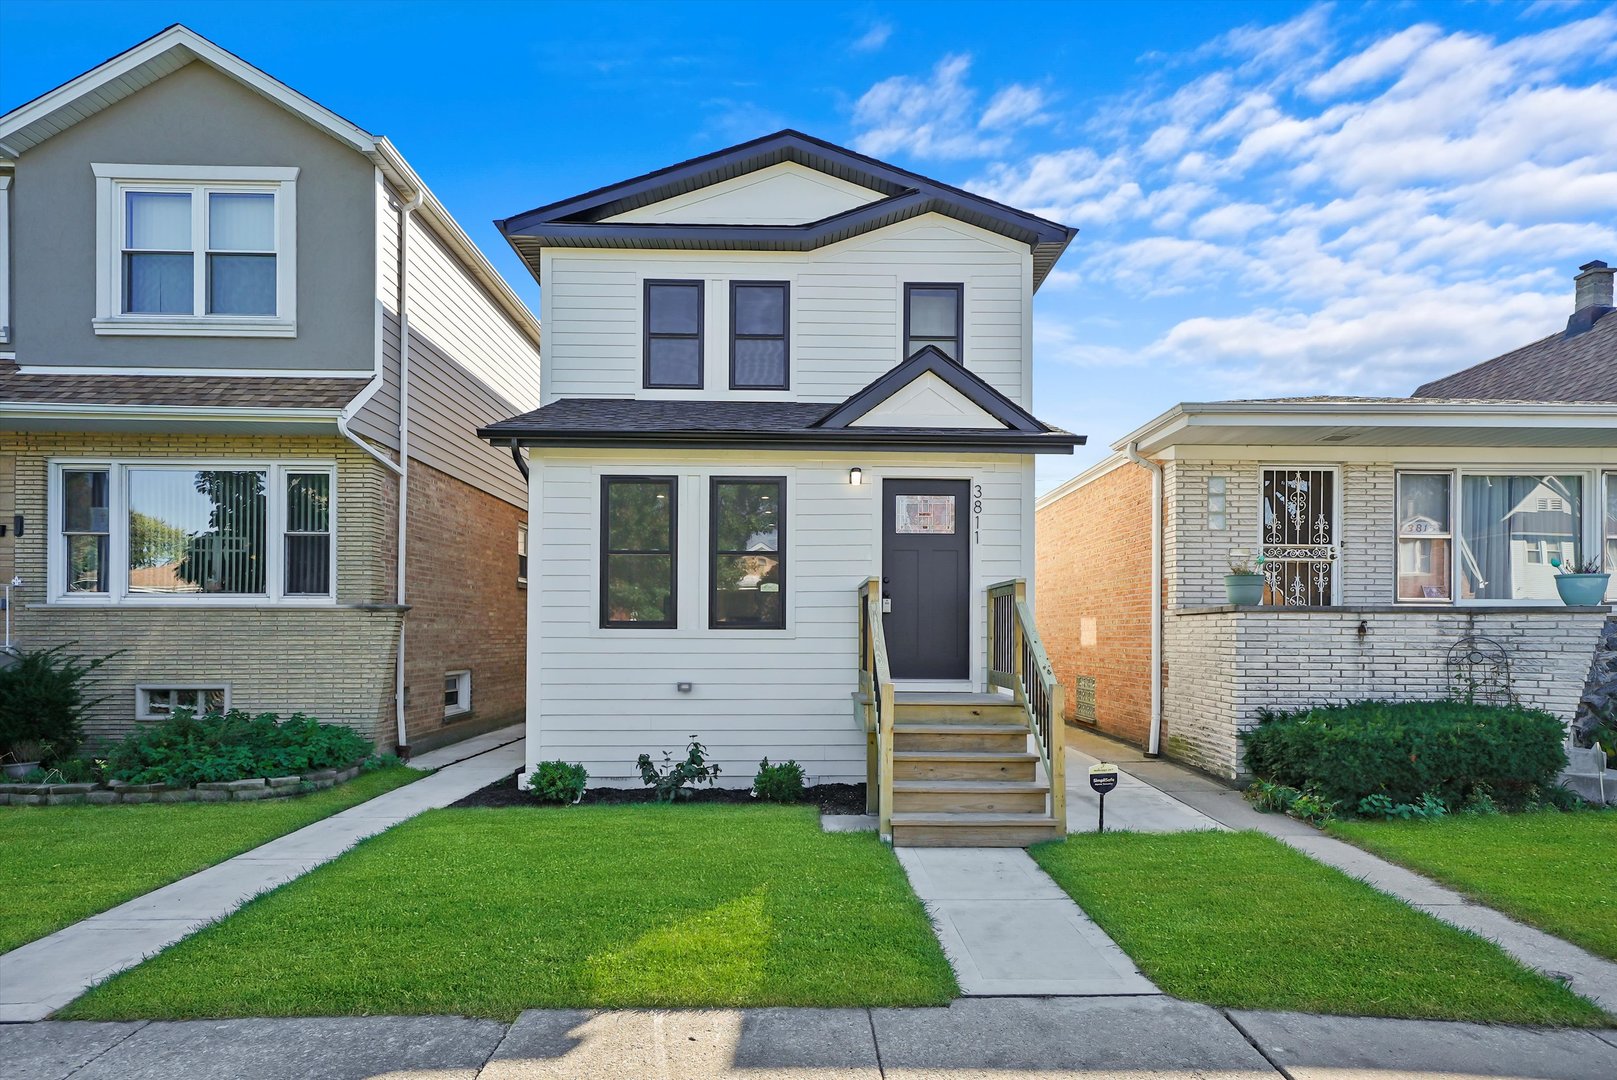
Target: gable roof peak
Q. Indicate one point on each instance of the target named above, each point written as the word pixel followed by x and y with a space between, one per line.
pixel 930 360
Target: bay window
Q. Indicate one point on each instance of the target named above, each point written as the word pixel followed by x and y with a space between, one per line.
pixel 196 250
pixel 159 531
pixel 639 517
pixel 748 553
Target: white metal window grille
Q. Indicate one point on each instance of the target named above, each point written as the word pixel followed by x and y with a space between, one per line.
pixel 1299 536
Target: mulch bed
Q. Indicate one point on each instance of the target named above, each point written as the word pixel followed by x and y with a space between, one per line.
pixel 830 798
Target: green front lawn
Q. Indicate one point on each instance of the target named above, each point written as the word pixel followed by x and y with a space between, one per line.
pixel 1548 869
pixel 488 912
pixel 1242 921
pixel 65 863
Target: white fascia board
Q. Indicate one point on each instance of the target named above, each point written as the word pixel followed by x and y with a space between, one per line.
pixel 201 48
pixel 1104 467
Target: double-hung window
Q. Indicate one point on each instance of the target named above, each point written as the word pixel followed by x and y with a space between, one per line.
pixel 1425 536
pixel 639 519
pixel 673 341
pixel 760 312
pixel 748 533
pixel 934 315
pixel 156 532
pixel 196 250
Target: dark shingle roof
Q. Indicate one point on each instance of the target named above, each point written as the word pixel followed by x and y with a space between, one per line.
pixel 1556 368
pixel 183 390
pixel 602 422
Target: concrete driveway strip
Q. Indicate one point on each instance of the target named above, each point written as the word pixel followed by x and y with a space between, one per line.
pixel 1133 805
pixel 42 976
pixel 1369 1048
pixel 1007 928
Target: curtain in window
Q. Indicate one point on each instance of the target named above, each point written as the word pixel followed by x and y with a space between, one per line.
pixel 1514 530
pixel 158 266
pixel 241 253
pixel 308 534
pixel 197 532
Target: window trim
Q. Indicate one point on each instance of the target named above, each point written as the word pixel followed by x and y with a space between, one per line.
pixel 714 554
pixel 5 258
pixel 142 689
pixel 959 288
pixel 1608 483
pixel 463 680
pixel 118 594
pixel 522 554
pixel 672 483
pixel 1451 536
pixel 112 181
pixel 785 335
pixel 646 336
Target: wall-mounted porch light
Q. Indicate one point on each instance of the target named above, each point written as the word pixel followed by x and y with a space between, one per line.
pixel 856 476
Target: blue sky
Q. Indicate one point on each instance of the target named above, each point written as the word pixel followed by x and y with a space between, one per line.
pixel 1275 199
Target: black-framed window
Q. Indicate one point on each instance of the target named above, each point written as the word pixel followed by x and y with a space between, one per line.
pixel 747 589
pixel 934 314
pixel 673 345
pixel 639 519
pixel 760 312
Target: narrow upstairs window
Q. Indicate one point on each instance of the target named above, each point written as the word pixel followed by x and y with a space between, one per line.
pixel 673 345
pixel 933 315
pixel 759 316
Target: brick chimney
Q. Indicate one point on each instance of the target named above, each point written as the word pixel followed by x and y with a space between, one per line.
pixel 1594 297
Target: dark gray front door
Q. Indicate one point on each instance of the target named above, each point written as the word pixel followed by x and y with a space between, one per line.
pixel 926 577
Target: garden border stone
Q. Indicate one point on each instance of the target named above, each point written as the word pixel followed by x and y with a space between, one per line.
pixel 249 789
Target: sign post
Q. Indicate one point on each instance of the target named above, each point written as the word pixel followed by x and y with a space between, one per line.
pixel 1102 778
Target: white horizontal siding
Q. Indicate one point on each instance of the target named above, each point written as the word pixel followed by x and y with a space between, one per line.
pixel 602 697
pixel 846 317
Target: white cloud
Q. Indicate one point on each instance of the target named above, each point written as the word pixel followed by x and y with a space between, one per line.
pixel 924 118
pixel 1377 62
pixel 873 38
pixel 1014 106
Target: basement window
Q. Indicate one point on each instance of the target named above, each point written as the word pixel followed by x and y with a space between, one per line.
pixel 457 693
pixel 158 701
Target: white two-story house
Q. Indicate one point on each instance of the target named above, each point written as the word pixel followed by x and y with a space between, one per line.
pixel 784 451
pixel 244 353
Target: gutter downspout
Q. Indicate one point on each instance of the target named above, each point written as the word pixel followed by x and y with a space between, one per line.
pixel 1154 743
pixel 404 456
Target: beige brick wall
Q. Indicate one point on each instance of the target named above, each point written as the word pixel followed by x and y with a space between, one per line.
pixel 334 663
pixel 1225 666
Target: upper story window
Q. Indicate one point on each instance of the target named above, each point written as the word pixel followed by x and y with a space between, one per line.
pixel 159 532
pixel 188 250
pixel 673 344
pixel 760 312
pixel 934 315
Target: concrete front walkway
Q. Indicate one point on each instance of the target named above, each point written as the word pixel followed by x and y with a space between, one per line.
pixel 44 975
pixel 998 1038
pixel 1587 974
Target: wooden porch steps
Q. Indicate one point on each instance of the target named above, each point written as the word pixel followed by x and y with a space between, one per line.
pixel 971 830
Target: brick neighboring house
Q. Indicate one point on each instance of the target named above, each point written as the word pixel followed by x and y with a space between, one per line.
pixel 1408 545
pixel 237 334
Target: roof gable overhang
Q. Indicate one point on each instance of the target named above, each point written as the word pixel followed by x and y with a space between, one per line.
pixel 579 221
pixel 931 361
pixel 1378 423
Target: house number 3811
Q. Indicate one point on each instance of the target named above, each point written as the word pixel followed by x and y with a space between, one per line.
pixel 976 513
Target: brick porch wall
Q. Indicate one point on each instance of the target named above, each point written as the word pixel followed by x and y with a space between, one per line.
pixel 467 612
pixel 1094 600
pixel 335 663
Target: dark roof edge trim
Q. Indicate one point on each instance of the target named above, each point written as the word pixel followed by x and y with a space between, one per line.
pixel 931 359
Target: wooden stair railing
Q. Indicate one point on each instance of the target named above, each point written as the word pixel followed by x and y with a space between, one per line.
pixel 880 714
pixel 1017 662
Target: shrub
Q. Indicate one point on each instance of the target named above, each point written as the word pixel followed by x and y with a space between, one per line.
pixel 670 779
pixel 778 783
pixel 42 703
pixel 189 749
pixel 557 782
pixel 1407 750
pixel 1429 808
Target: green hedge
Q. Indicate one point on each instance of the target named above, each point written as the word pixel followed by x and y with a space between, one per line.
pixel 188 749
pixel 1406 749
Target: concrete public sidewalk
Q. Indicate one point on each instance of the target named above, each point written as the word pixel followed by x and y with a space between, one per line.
pixel 1593 977
pixel 998 1038
pixel 40 977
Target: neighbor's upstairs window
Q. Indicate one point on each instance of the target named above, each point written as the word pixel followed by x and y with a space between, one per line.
pixel 1514 530
pixel 639 517
pixel 934 315
pixel 673 342
pixel 760 312
pixel 749 554
pixel 196 250
pixel 157 532
pixel 1425 536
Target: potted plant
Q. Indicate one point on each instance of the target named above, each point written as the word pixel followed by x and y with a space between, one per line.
pixel 1581 584
pixel 1244 583
pixel 24 758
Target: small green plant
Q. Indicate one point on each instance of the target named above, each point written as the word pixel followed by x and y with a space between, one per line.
pixel 1428 808
pixel 1479 803
pixel 379 761
pixel 1314 808
pixel 557 782
pixel 43 702
pixel 671 778
pixel 1271 798
pixel 781 783
pixel 1305 805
